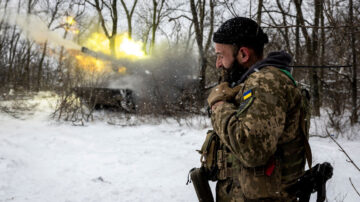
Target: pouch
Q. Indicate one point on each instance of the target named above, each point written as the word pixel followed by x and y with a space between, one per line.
pixel 255 183
pixel 209 154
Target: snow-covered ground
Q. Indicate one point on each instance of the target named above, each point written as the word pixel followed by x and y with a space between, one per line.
pixel 44 160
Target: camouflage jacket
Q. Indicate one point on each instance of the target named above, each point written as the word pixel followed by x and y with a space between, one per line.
pixel 262 119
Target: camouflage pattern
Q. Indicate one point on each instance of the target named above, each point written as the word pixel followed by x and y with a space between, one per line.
pixel 222 92
pixel 257 130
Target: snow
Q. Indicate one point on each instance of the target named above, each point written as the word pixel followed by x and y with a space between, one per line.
pixel 45 160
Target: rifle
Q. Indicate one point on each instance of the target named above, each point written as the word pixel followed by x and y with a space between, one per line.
pixel 200 181
pixel 313 180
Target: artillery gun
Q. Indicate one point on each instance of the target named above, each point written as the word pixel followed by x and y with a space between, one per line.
pixel 118 99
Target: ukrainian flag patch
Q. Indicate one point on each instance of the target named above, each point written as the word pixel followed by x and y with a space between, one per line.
pixel 246 101
pixel 248 94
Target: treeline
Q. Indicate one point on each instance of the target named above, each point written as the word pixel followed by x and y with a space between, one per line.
pixel 316 32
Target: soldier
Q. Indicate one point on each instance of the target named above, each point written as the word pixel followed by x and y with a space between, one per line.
pixel 257 115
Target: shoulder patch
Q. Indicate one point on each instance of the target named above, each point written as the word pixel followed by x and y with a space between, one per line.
pixel 246 101
pixel 248 94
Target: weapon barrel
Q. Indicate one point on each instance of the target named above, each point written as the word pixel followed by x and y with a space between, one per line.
pixel 98 55
pixel 201 185
pixel 102 56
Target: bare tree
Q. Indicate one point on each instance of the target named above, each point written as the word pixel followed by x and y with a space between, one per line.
pixel 354 114
pixel 199 14
pixel 129 15
pixel 53 10
pixel 315 81
pixel 152 15
pixel 6 45
pixel 156 16
pixel 77 7
pixel 259 12
pixel 281 28
pixel 312 50
pixel 230 7
pixel 111 7
pixel 30 5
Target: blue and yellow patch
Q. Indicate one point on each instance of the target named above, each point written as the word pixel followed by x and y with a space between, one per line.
pixel 247 94
pixel 247 100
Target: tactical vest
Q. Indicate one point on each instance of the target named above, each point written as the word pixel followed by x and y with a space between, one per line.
pixel 281 171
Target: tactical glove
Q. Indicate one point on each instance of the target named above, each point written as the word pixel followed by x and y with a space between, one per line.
pixel 222 92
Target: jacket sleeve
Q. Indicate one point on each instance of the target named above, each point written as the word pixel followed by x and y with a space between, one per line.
pixel 251 130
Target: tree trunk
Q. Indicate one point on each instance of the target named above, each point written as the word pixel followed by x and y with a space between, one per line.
pixel 311 50
pixel 112 40
pixel 114 28
pixel 99 5
pixel 354 115
pixel 284 33
pixel 40 68
pixel 260 5
pixel 199 41
pixel 322 47
pixel 26 81
pixel 129 28
pixel 157 12
pixel 154 27
pixel 61 55
pixel 297 47
pixel 129 16
pixel 297 41
pixel 314 82
pixel 198 22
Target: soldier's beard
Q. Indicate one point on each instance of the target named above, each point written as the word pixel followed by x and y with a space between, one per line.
pixel 234 73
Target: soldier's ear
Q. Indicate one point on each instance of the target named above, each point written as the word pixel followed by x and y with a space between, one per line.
pixel 243 55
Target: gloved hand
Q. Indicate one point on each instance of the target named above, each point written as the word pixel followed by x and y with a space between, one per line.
pixel 222 92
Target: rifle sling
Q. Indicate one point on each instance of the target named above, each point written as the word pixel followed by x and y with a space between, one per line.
pixel 308 152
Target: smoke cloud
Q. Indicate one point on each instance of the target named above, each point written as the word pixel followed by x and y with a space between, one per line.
pixel 159 79
pixel 163 77
pixel 34 28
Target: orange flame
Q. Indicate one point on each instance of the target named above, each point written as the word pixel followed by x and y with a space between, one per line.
pixel 70 24
pixel 124 48
pixel 122 70
pixel 91 64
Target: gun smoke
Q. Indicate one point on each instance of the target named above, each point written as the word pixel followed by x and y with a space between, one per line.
pixel 160 79
pixel 35 29
pixel 165 78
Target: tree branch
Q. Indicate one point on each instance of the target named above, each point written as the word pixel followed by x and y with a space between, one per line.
pixel 342 150
pixel 180 16
pixel 354 186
